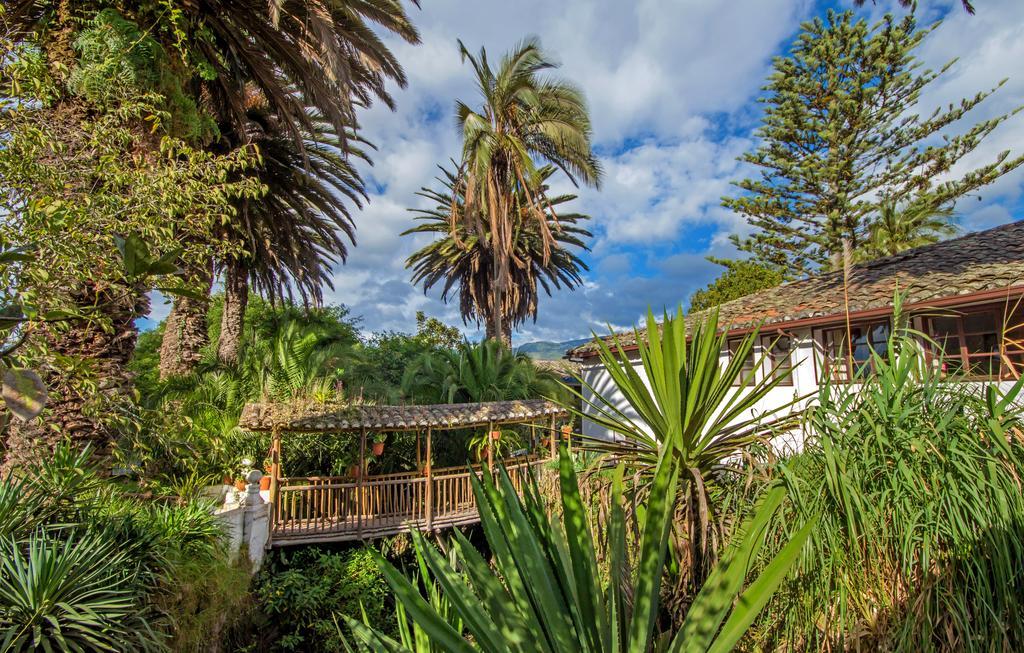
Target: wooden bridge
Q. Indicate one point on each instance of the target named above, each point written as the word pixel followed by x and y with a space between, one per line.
pixel 358 507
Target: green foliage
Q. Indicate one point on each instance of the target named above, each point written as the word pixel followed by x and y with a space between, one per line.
pixel 73 594
pixel 693 409
pixel 918 484
pixel 486 371
pixel 899 228
pixel 305 590
pixel 83 566
pixel 118 63
pixel 545 591
pixel 842 133
pixel 740 278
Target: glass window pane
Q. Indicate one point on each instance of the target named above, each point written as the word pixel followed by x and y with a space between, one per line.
pixel 942 326
pixel 980 323
pixel 986 343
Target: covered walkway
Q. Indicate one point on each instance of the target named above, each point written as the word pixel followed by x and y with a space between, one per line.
pixel 337 509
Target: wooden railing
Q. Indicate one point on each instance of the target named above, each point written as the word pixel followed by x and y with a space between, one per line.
pixel 330 509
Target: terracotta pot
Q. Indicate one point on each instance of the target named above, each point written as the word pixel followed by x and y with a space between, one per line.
pixel 353 471
pixel 227 480
pixel 378 448
pixel 265 483
pixel 240 484
pixel 495 435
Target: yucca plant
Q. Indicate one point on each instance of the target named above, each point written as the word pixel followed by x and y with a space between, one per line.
pixel 690 405
pixel 545 590
pixel 75 594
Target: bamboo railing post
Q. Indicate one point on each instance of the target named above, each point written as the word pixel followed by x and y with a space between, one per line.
pixel 490 447
pixel 429 493
pixel 359 482
pixel 554 439
pixel 275 475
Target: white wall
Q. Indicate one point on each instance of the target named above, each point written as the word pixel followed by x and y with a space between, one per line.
pixel 804 382
pixel 807 363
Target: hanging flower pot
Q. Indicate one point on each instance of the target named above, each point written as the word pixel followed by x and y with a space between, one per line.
pixel 354 471
pixel 378 448
pixel 240 484
pixel 495 435
pixel 265 483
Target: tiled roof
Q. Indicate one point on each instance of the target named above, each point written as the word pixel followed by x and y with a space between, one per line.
pixel 334 418
pixel 974 263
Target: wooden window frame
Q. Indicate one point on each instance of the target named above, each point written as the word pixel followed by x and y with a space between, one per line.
pixel 827 372
pixel 769 358
pixel 1002 317
pixel 753 361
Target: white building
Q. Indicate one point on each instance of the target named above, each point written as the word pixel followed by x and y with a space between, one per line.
pixel 966 294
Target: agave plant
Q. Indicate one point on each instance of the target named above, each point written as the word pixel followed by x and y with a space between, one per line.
pixel 545 591
pixel 78 594
pixel 689 405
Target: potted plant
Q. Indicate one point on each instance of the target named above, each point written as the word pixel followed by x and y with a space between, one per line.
pixel 378 444
pixel 495 435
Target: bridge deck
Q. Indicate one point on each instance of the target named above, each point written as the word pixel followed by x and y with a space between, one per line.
pixel 336 509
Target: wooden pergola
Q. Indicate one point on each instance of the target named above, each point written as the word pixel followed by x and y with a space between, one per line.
pixel 335 508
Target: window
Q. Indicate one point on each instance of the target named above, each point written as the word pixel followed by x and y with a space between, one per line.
pixel 779 357
pixel 746 376
pixel 866 337
pixel 971 344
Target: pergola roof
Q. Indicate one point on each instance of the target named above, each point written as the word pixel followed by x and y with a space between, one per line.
pixel 335 418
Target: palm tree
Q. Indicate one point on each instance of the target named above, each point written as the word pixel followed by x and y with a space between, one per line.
pixel 523 117
pixel 290 56
pixel 895 229
pixel 912 4
pixel 462 259
pixel 485 371
pixel 294 234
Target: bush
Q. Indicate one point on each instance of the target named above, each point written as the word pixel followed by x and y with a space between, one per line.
pixel 300 594
pixel 918 482
pixel 84 566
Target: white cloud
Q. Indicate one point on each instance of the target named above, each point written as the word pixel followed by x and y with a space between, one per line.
pixel 671 88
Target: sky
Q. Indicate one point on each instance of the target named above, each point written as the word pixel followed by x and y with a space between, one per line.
pixel 672 89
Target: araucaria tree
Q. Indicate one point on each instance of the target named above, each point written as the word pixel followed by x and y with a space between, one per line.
pixel 843 132
pixel 462 259
pixel 523 116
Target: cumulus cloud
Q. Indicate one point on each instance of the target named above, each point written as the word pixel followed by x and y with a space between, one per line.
pixel 672 89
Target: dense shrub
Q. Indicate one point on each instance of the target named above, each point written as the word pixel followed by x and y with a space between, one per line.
pixel 301 592
pixel 918 484
pixel 86 566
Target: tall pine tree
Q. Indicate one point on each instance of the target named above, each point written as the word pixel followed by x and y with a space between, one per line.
pixel 841 133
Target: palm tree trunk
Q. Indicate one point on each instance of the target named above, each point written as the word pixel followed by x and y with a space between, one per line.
pixel 82 398
pixel 185 330
pixel 236 297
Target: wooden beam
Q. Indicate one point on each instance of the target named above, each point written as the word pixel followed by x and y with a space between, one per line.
pixel 275 476
pixel 359 482
pixel 490 448
pixel 554 439
pixel 429 490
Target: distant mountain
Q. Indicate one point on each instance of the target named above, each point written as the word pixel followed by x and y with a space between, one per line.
pixel 547 350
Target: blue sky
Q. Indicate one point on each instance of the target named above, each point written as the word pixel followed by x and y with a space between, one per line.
pixel 672 88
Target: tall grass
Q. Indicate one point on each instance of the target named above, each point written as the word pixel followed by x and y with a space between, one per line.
pixel 920 546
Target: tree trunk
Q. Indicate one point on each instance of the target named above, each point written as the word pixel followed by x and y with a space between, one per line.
pixel 185 330
pixel 90 382
pixel 236 297
pixel 498 329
